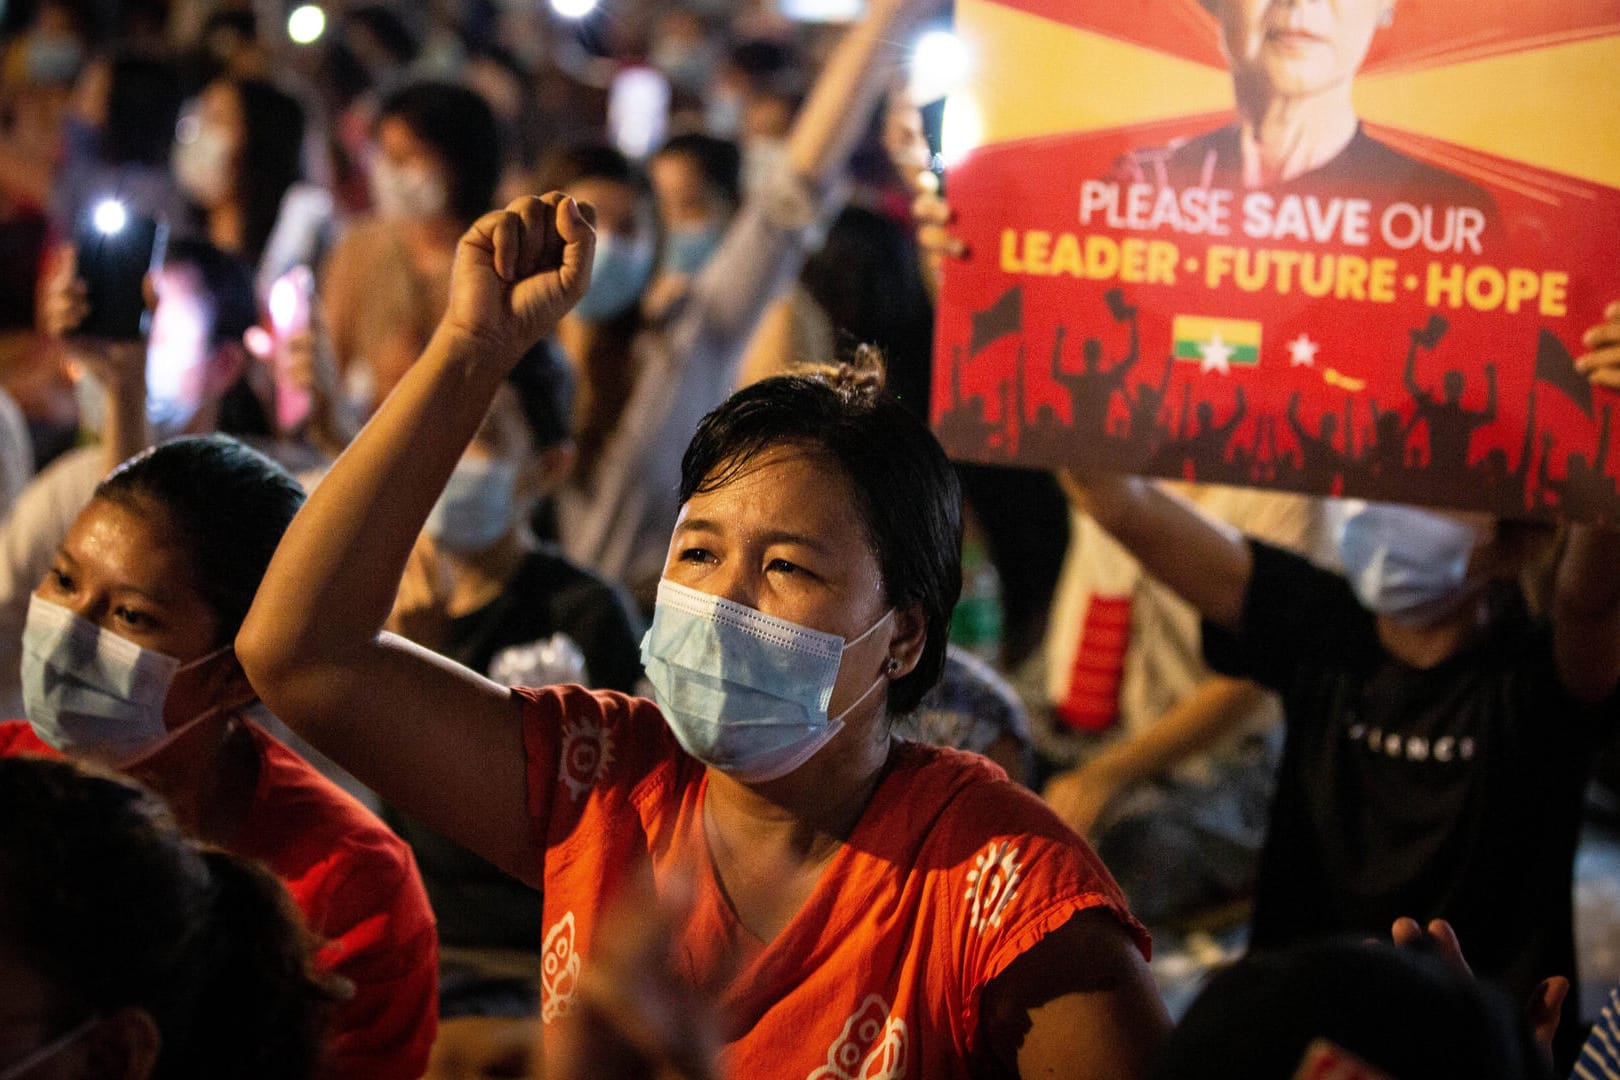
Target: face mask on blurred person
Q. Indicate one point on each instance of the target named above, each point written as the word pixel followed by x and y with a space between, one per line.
pixel 202 163
pixel 1406 563
pixel 407 192
pixel 52 59
pixel 741 690
pixel 167 417
pixel 92 694
pixel 722 114
pixel 688 249
pixel 685 64
pixel 475 508
pixel 761 160
pixel 620 271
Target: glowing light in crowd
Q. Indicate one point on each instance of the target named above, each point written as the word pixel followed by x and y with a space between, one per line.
pixel 109 217
pixel 283 302
pixel 573 9
pixel 638 108
pixel 939 66
pixel 961 131
pixel 306 24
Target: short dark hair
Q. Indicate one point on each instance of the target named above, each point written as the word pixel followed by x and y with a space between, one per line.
pixel 104 899
pixel 460 127
pixel 227 504
pixel 543 381
pixel 718 160
pixel 388 29
pixel 588 159
pixel 1400 1011
pixel 906 492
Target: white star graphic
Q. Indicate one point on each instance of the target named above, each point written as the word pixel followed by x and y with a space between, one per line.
pixel 1216 353
pixel 1302 352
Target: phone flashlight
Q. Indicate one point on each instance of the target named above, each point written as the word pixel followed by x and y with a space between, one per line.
pixel 109 217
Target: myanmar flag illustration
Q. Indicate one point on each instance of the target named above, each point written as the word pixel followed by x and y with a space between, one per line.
pixel 1195 335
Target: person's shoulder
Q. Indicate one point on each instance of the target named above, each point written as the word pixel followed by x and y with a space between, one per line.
pixel 298 814
pixel 1371 160
pixel 341 863
pixel 600 742
pixel 1207 158
pixel 963 798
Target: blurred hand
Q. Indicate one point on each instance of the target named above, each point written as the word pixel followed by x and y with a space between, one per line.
pixel 120 366
pixel 1079 795
pixel 1602 363
pixel 421 605
pixel 517 272
pixel 934 239
pixel 1546 1003
pixel 633 1017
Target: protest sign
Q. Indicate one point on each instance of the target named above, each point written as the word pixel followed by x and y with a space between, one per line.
pixel 1340 248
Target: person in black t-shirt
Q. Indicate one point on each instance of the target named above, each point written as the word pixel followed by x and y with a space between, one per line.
pixel 481 590
pixel 1438 733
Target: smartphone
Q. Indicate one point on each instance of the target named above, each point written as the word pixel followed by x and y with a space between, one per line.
pixel 933 125
pixel 292 296
pixel 114 251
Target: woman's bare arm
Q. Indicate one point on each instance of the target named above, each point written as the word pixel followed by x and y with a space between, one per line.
pixel 430 736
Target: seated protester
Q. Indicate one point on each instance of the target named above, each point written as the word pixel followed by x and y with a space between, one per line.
pixel 1176 800
pixel 1438 733
pixel 857 900
pixel 127 661
pixel 480 590
pixel 973 708
pixel 1350 1009
pixel 130 393
pixel 129 952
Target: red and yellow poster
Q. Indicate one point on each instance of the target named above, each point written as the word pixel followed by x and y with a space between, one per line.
pixel 1337 246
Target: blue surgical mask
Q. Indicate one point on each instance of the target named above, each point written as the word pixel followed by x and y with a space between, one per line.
pixel 54 59
pixel 620 271
pixel 687 250
pixel 723 115
pixel 1406 563
pixel 741 690
pixel 475 509
pixel 92 694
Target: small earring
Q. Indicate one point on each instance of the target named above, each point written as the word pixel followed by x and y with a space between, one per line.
pixel 890 666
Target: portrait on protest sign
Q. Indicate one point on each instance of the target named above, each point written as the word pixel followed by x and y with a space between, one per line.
pixel 1345 248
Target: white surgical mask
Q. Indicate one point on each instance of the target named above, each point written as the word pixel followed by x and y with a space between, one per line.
pixel 1409 564
pixel 94 695
pixel 741 690
pixel 407 192
pixel 202 162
